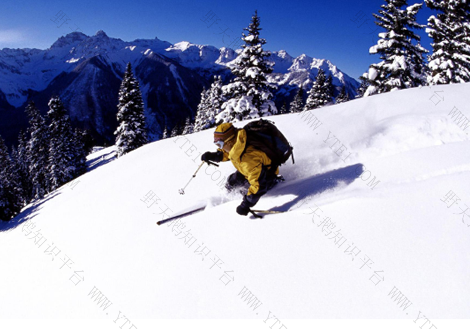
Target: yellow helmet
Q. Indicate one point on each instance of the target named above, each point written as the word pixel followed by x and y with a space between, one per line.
pixel 224 132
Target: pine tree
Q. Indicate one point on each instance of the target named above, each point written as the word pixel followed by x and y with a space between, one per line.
pixel 215 100
pixel 284 109
pixel 249 95
pixel 363 87
pixel 321 92
pixel 165 134
pixel 201 121
pixel 21 159
pixel 402 56
pixel 88 141
pixel 10 190
pixel 297 105
pixel 329 88
pixel 210 106
pixel 177 129
pixel 188 127
pixel 38 152
pixel 62 149
pixel 80 153
pixel 131 132
pixel 450 31
pixel 19 178
pixel 343 96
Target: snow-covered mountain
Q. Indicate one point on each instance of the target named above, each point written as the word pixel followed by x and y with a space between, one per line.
pixel 377 227
pixel 86 71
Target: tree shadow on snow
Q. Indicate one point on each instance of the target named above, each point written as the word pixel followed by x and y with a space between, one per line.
pixel 101 161
pixel 30 212
pixel 27 214
pixel 311 186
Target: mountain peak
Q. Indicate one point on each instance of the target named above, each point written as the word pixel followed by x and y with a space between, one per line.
pixel 303 57
pixel 69 39
pixel 101 34
pixel 283 54
pixel 182 45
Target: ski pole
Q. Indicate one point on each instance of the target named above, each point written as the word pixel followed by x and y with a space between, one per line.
pixel 268 211
pixel 254 214
pixel 211 163
pixel 181 191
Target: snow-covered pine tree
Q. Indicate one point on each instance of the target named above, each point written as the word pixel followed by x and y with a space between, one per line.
pixel 342 97
pixel 450 31
pixel 210 106
pixel 61 146
pixel 188 127
pixel 22 163
pixel 402 56
pixel 88 140
pixel 215 100
pixel 18 174
pixel 177 130
pixel 297 105
pixel 6 211
pixel 131 132
pixel 80 153
pixel 249 95
pixel 321 92
pixel 330 88
pixel 165 133
pixel 363 86
pixel 284 109
pixel 174 132
pixel 10 190
pixel 38 152
pixel 201 119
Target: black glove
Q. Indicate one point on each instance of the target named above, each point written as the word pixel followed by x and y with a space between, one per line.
pixel 212 156
pixel 244 208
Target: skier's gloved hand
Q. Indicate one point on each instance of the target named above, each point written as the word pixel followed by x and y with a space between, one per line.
pixel 212 156
pixel 244 208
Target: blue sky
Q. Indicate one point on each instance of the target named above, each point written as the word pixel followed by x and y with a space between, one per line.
pixel 341 31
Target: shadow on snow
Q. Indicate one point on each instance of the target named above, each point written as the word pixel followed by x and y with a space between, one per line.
pixel 27 214
pixel 101 161
pixel 314 185
pixel 30 210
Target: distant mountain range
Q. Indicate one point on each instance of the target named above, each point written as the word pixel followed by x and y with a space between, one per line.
pixel 86 72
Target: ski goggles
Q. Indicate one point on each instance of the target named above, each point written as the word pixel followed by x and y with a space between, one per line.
pixel 219 143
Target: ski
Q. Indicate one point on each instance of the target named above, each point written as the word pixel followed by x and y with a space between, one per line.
pixel 256 213
pixel 195 211
pixel 188 213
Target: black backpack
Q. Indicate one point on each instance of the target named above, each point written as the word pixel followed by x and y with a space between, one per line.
pixel 263 135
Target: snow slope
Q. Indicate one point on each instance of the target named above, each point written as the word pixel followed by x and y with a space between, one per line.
pixel 372 232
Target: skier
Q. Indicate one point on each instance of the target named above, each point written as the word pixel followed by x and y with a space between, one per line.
pixel 253 166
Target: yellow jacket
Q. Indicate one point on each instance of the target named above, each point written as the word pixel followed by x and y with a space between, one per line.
pixel 250 164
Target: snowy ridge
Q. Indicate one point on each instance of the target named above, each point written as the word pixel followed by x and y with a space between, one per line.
pixel 92 67
pixel 23 69
pixel 370 214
